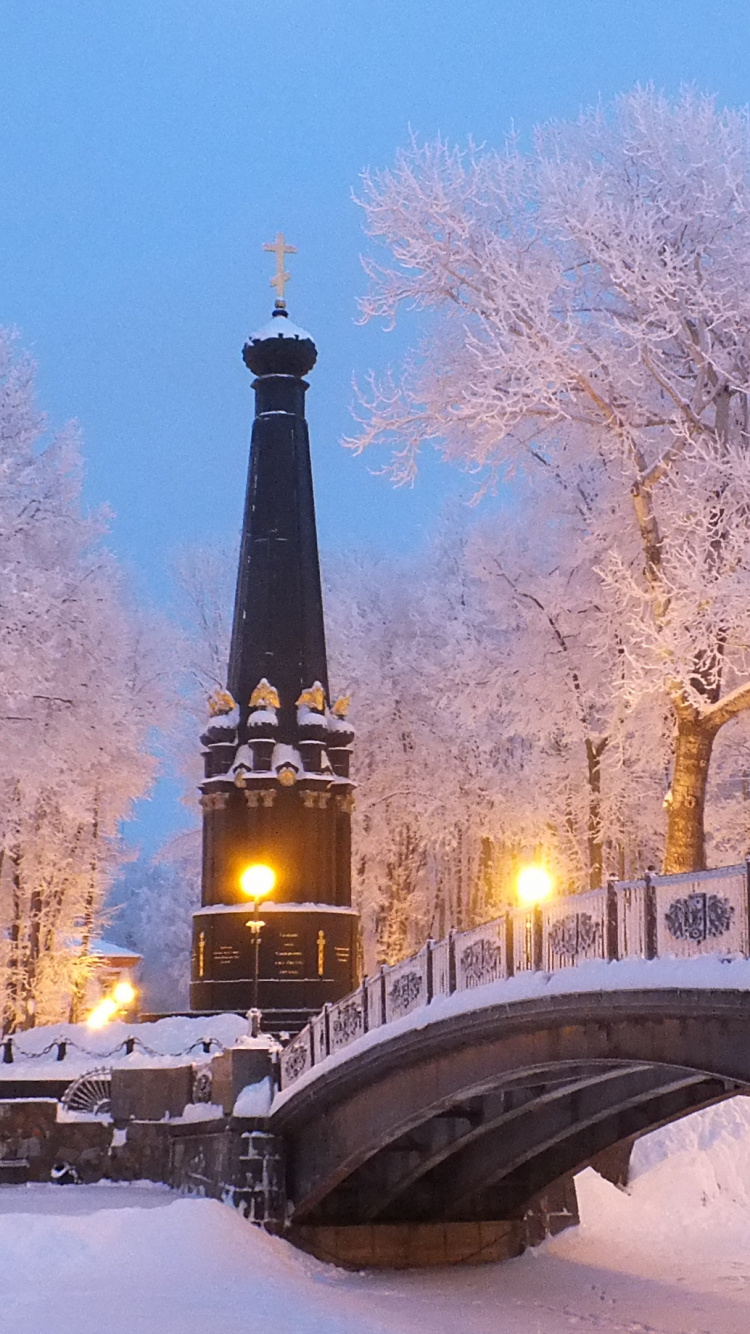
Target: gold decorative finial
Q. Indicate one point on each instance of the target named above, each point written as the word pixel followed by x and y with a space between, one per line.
pixel 314 698
pixel 341 707
pixel 264 696
pixel 280 248
pixel 219 703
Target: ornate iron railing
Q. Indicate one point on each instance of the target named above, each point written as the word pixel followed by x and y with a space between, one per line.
pixel 706 912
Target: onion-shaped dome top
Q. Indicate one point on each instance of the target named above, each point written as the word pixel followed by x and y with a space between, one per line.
pixel 280 348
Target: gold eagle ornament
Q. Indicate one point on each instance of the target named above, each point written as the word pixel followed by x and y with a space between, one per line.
pixel 220 702
pixel 314 698
pixel 264 696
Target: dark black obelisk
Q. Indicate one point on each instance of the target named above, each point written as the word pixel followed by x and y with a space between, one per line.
pixel 277 790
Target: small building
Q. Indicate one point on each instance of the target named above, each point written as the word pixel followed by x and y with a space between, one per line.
pixel 112 964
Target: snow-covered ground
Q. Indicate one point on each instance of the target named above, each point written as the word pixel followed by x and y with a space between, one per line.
pixel 672 1256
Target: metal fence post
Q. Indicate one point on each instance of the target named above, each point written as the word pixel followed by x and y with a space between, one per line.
pixel 327 1027
pixel 383 1012
pixel 649 926
pixel 537 938
pixel 365 1015
pixel 510 962
pixel 428 969
pixel 451 962
pixel 746 950
pixel 612 945
pixel 312 1044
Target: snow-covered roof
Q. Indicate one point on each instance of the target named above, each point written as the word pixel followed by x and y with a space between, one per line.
pixel 280 326
pixel 270 905
pixel 107 950
pixel 284 754
pixel 262 718
pixel 307 717
pixel 242 760
pixel 223 720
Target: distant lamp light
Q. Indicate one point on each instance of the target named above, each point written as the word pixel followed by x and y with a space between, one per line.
pixel 102 1013
pixel 124 994
pixel 257 881
pixel 534 885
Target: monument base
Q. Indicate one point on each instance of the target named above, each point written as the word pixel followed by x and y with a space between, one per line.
pixel 307 958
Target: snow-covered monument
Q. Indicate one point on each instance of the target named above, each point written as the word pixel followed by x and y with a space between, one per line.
pixel 277 795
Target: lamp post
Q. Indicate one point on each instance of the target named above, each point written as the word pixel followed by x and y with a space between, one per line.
pixel 257 883
pixel 534 885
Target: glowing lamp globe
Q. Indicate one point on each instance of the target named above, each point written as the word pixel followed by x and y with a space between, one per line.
pixel 124 993
pixel 534 885
pixel 257 881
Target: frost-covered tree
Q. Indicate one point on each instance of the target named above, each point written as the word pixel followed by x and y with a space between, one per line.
pixel 152 903
pixel 436 823
pixel 589 324
pixel 79 694
pixel 585 766
pixel 203 583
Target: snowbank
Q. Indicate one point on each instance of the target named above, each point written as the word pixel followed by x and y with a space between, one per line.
pixel 171 1041
pixel 254 1099
pixel 669 1256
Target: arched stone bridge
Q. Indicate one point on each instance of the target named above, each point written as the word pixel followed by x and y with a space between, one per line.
pixel 474 1100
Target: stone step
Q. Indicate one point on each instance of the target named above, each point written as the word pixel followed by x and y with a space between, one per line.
pixel 14 1171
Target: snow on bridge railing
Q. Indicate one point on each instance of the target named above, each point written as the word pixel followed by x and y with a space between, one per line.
pixel 683 916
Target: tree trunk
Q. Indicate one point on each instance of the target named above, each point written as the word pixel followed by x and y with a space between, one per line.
pixel 594 752
pixel 686 839
pixel 13 991
pixel 80 978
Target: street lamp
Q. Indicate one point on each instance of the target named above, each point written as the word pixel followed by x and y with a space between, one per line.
pixel 257 882
pixel 534 885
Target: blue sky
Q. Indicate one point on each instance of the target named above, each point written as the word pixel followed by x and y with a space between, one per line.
pixel 148 148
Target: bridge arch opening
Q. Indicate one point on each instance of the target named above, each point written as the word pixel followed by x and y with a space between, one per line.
pixel 467 1121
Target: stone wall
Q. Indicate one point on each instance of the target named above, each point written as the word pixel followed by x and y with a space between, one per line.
pixel 225 1158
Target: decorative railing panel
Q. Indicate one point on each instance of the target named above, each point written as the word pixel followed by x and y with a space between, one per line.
pixel 296 1058
pixel 686 915
pixel 375 991
pixel 318 1043
pixel 441 966
pixel 525 926
pixel 346 1021
pixel 481 955
pixel 574 929
pixel 705 913
pixel 632 909
pixel 406 986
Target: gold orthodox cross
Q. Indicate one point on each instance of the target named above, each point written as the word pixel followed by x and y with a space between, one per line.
pixel 280 248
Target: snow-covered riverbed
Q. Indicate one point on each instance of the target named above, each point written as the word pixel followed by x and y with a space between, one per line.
pixel 672 1256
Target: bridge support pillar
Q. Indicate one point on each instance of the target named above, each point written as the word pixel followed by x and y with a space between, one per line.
pixel 425 1245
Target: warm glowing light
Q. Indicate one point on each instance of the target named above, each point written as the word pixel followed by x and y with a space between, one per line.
pixel 534 884
pixel 124 993
pixel 102 1013
pixel 257 881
